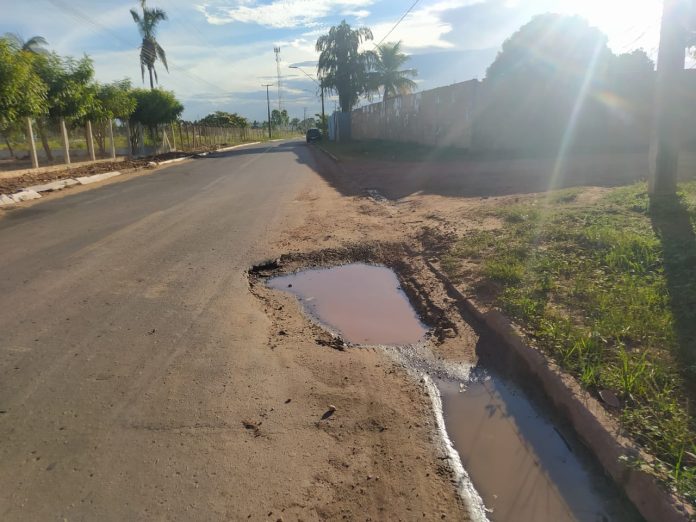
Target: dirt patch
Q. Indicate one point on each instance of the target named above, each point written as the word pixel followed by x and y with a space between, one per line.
pixel 12 184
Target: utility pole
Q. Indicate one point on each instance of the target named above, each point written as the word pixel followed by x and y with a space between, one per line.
pixel 276 50
pixel 320 83
pixel 304 119
pixel 670 70
pixel 268 104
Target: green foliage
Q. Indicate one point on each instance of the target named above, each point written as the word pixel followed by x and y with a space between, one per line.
pixel 71 89
pixel 22 92
pixel 224 119
pixel 607 289
pixel 342 67
pixel 279 118
pixel 116 100
pixel 155 106
pixel 387 71
pixel 557 75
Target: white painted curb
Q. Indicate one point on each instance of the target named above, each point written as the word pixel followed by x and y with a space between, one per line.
pixel 54 185
pixel 182 158
pixel 86 180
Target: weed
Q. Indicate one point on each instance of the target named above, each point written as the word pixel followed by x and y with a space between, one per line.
pixel 608 290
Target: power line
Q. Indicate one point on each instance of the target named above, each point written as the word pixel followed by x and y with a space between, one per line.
pixel 398 22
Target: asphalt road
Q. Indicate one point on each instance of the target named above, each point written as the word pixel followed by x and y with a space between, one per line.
pixel 130 347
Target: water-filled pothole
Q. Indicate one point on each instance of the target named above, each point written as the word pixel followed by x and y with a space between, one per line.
pixel 363 303
pixel 519 463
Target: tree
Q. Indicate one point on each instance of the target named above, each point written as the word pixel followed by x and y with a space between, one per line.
pixel 387 71
pixel 280 118
pixel 150 49
pixel 295 123
pixel 342 67
pixel 153 107
pixel 72 94
pixel 224 119
pixel 113 100
pixel 22 92
pixel 548 77
pixel 34 45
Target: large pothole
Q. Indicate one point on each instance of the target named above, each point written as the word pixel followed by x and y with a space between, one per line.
pixel 514 460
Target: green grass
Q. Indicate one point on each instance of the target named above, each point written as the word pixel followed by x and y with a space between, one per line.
pixel 608 289
pixel 391 151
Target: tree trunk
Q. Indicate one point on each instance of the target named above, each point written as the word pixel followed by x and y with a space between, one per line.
pixel 152 85
pixel 44 140
pixel 9 147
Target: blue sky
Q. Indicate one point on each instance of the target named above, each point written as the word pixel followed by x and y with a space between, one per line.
pixel 221 51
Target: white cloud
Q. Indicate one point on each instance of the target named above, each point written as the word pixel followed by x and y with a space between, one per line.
pixel 423 28
pixel 278 13
pixel 359 14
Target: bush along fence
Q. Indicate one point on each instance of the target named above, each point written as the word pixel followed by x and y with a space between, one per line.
pixel 35 144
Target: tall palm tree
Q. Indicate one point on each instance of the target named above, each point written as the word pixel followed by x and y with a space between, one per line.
pixel 342 66
pixel 150 50
pixel 387 72
pixel 34 45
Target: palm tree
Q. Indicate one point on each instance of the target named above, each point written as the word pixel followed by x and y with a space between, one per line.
pixel 387 73
pixel 34 45
pixel 150 50
pixel 342 67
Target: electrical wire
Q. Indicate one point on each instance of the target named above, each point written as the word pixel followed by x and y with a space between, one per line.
pixel 397 23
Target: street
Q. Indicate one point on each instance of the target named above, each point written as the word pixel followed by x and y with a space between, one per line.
pixel 136 379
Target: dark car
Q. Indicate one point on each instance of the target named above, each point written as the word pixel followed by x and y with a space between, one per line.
pixel 313 135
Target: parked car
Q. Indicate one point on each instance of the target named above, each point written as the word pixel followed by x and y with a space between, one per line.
pixel 313 135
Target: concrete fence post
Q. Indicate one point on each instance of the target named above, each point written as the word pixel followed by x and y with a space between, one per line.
pixel 111 139
pixel 66 141
pixel 32 145
pixel 173 136
pixel 90 141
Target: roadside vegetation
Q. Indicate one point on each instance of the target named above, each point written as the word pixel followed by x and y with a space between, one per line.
pixel 608 289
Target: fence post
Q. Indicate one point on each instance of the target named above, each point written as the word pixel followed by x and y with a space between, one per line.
pixel 90 142
pixel 173 135
pixel 111 139
pixel 66 142
pixel 32 145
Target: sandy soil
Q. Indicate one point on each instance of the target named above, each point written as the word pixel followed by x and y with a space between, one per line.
pixel 378 456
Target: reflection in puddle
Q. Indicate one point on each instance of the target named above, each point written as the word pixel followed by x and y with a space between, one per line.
pixel 517 460
pixel 362 302
pixel 520 464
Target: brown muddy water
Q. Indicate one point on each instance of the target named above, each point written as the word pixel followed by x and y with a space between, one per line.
pixel 363 303
pixel 521 465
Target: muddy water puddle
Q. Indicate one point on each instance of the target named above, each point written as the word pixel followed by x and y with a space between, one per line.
pixel 363 303
pixel 521 465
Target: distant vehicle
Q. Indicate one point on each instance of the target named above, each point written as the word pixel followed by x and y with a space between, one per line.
pixel 313 135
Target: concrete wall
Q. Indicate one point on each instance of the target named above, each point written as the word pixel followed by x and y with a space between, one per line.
pixel 442 116
pixel 463 115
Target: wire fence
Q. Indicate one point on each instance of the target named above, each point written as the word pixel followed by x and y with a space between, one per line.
pixel 61 143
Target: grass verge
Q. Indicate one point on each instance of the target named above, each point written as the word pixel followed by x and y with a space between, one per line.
pixel 608 289
pixel 378 150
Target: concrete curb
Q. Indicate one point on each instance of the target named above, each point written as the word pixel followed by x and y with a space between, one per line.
pixel 598 430
pixel 54 185
pixel 86 180
pixel 18 197
pixel 327 153
pixel 225 149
